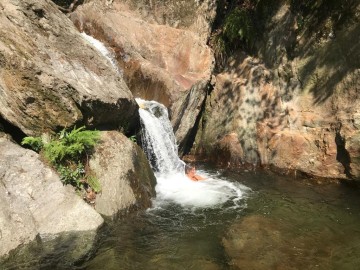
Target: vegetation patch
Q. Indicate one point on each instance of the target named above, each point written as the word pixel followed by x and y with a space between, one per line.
pixel 242 24
pixel 68 152
pixel 239 25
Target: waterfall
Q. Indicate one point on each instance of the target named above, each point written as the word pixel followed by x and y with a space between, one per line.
pixel 157 138
pixel 103 50
pixel 173 186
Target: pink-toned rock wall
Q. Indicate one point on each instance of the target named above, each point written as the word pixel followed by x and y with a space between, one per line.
pixel 159 62
pixel 293 114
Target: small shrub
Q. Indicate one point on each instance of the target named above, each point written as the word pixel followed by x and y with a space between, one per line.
pixel 35 143
pixel 68 152
pixel 72 176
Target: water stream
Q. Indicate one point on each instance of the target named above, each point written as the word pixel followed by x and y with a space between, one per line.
pixel 247 220
pixel 284 223
pixel 100 47
pixel 159 144
pixel 244 220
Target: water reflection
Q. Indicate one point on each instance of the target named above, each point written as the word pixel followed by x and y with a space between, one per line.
pixel 287 224
pixel 284 223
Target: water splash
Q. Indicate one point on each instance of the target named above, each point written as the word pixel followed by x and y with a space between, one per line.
pixel 173 186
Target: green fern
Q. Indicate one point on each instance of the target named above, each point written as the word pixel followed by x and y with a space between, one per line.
pixel 71 145
pixel 66 151
pixel 35 143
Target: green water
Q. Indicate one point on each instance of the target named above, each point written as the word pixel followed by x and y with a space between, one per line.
pixel 286 223
pixel 283 223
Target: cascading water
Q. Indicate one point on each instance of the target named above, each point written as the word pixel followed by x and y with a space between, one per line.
pixel 158 139
pixel 103 50
pixel 159 144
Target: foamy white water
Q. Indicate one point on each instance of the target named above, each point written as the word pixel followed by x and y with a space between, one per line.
pixel 158 138
pixel 173 186
pixel 212 192
pixel 102 49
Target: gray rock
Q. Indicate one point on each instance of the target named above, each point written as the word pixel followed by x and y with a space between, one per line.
pixel 52 77
pixel 35 202
pixel 125 175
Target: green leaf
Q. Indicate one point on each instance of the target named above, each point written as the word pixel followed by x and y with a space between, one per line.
pixel 35 143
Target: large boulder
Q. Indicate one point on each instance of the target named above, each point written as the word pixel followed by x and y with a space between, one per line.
pixel 124 173
pixel 34 203
pixel 51 77
pixel 295 106
pixel 172 66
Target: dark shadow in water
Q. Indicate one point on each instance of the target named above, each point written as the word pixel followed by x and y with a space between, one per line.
pixel 66 251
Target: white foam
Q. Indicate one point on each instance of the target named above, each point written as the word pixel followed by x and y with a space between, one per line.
pixel 212 192
pixel 159 143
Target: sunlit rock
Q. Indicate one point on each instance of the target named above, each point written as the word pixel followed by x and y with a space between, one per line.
pixel 295 105
pixel 34 203
pixel 127 181
pixel 170 65
pixel 51 77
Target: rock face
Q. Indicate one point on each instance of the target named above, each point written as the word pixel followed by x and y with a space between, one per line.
pixel 196 16
pixel 295 106
pixel 50 77
pixel 124 173
pixel 172 66
pixel 34 201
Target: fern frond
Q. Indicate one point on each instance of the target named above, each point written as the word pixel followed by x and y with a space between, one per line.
pixel 35 143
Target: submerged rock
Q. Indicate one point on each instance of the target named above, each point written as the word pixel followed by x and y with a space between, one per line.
pixel 125 175
pixel 34 203
pixel 258 242
pixel 51 77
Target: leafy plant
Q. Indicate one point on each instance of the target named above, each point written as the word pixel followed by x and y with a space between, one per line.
pixel 35 143
pixel 133 138
pixel 70 145
pixel 68 152
pixel 239 25
pixel 72 176
pixel 235 27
